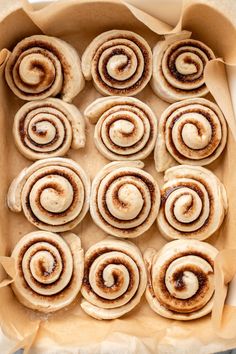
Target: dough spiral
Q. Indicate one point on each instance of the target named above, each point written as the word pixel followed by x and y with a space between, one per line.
pixel 124 199
pixel 49 270
pixel 119 62
pixel 41 66
pixel 181 279
pixel 114 279
pixel 126 128
pixel 48 128
pixel 53 193
pixel 191 132
pixel 178 67
pixel 194 203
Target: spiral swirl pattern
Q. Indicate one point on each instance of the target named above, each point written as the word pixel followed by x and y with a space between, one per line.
pixel 178 68
pixel 48 128
pixel 194 203
pixel 42 66
pixel 49 270
pixel 53 193
pixel 124 199
pixel 193 132
pixel 114 279
pixel 119 62
pixel 181 279
pixel 126 128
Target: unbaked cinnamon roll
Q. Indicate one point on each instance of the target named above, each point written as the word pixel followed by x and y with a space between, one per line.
pixel 193 203
pixel 114 279
pixel 48 128
pixel 49 270
pixel 181 279
pixel 126 128
pixel 119 63
pixel 42 66
pixel 124 199
pixel 53 194
pixel 178 67
pixel 191 132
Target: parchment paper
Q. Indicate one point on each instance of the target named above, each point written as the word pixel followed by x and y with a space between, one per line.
pixel 140 331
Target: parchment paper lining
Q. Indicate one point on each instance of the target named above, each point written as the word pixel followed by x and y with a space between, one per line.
pixel 142 331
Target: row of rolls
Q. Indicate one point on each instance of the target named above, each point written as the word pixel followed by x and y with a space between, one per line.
pixel 192 131
pixel 124 200
pixel 119 62
pixel 52 269
pixel 55 193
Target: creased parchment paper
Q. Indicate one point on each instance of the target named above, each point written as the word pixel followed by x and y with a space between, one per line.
pixel 140 331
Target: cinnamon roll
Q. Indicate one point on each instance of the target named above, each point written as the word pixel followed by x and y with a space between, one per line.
pixel 48 128
pixel 114 279
pixel 124 199
pixel 193 132
pixel 119 63
pixel 49 270
pixel 53 193
pixel 42 66
pixel 178 67
pixel 181 279
pixel 193 203
pixel 126 128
